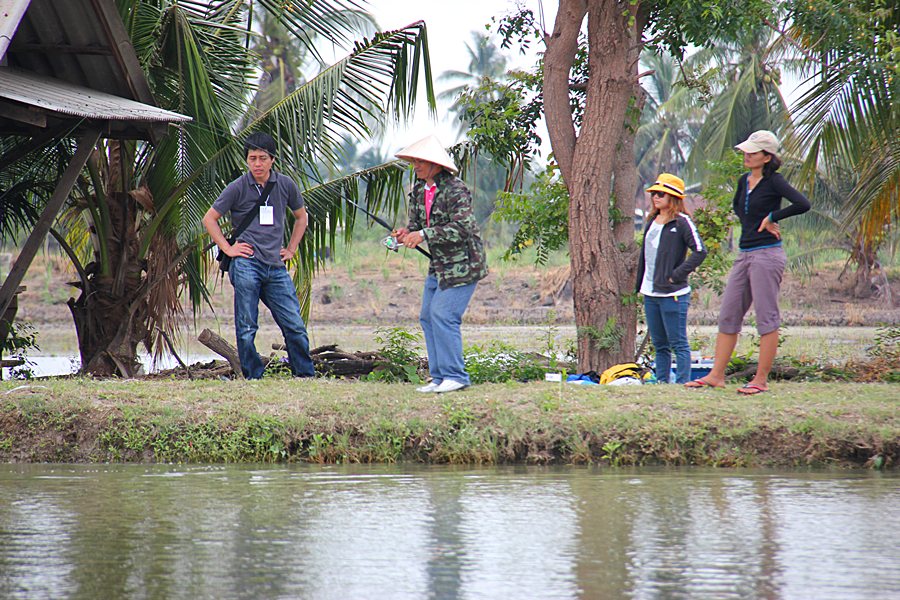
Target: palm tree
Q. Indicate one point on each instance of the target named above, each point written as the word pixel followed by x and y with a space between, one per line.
pixel 849 118
pixel 742 87
pixel 486 62
pixel 285 55
pixel 133 227
pixel 670 120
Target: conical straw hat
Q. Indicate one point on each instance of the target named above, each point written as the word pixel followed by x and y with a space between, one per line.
pixel 429 149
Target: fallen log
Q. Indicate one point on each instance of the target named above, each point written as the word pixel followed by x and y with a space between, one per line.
pixel 345 368
pixel 221 347
pixel 778 372
pixel 331 360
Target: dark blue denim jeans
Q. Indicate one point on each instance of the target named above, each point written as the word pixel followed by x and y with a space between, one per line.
pixel 667 322
pixel 254 281
pixel 441 317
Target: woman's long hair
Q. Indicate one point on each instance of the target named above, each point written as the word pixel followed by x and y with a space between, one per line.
pixel 676 205
pixel 771 167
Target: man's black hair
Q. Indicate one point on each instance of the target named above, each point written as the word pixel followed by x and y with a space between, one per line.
pixel 260 141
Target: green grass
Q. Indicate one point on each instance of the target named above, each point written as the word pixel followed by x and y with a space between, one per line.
pixel 330 421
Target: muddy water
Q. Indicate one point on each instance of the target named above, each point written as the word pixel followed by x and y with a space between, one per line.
pixel 137 531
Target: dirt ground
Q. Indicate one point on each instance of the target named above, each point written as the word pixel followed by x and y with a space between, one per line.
pixel 387 292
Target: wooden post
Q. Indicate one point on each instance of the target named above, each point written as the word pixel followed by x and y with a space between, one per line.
pixel 86 144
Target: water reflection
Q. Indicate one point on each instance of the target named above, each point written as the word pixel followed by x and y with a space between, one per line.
pixel 357 532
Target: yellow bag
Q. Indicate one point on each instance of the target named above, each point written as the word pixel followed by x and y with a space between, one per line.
pixel 621 370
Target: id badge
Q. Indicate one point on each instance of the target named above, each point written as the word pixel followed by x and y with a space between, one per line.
pixel 266 215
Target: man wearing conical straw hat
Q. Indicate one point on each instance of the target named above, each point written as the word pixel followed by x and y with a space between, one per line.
pixel 441 215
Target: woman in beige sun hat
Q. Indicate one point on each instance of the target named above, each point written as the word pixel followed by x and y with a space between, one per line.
pixel 441 215
pixel 755 277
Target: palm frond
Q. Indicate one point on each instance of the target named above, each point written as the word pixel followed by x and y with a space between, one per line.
pixel 380 75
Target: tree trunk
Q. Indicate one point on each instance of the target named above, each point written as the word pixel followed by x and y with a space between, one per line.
pixel 598 168
pixel 865 258
pixel 109 328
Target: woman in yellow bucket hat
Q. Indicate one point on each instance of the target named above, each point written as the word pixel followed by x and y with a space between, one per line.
pixel 662 275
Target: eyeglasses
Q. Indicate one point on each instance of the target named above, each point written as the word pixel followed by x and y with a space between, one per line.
pixel 656 193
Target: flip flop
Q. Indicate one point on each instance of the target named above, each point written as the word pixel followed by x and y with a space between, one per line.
pixel 697 384
pixel 751 389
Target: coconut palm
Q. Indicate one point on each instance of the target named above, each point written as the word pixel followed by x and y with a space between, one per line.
pixel 742 87
pixel 285 56
pixel 849 118
pixel 133 227
pixel 670 120
pixel 486 62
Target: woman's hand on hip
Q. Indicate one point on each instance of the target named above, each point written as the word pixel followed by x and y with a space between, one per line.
pixel 771 227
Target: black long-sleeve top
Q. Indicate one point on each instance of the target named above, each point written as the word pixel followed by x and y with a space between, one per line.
pixel 765 199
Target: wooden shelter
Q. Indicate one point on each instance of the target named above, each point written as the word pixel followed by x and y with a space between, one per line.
pixel 68 70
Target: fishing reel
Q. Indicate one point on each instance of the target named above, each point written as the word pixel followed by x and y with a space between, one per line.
pixel 391 243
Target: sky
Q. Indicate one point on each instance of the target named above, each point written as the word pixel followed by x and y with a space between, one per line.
pixel 449 24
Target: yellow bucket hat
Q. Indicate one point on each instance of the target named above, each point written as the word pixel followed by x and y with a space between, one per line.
pixel 669 184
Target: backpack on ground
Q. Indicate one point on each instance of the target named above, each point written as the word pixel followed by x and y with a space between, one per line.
pixel 622 370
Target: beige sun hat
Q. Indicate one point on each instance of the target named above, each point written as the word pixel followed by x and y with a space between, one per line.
pixel 761 140
pixel 430 149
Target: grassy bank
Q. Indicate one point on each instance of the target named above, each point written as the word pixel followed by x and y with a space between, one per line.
pixel 329 421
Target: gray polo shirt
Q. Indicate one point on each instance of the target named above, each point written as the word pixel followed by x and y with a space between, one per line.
pixel 240 198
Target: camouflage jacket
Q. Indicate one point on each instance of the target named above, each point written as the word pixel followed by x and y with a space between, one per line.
pixel 457 252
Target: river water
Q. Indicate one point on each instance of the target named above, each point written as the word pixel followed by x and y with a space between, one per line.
pixel 302 531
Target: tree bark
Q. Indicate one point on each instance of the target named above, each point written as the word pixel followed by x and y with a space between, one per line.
pixel 595 166
pixel 221 347
pixel 108 326
pixel 562 45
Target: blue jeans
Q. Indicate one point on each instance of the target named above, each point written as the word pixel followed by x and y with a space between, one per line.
pixel 440 317
pixel 667 322
pixel 254 281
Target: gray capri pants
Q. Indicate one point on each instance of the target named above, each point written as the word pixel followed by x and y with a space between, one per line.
pixel 755 278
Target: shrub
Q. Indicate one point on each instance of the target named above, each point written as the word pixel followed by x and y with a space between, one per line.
pixel 499 362
pixel 399 348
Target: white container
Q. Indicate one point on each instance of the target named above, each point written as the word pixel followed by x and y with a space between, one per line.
pixel 557 377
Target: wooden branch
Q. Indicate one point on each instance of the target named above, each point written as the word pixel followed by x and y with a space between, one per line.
pixel 175 354
pixel 348 367
pixel 777 372
pixel 562 46
pixel 221 347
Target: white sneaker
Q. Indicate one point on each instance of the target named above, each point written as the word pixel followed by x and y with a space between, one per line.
pixel 449 385
pixel 431 387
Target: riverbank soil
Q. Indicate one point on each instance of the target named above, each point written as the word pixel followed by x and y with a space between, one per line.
pixel 337 421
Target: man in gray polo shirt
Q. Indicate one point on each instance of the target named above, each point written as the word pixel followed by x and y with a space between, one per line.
pixel 257 270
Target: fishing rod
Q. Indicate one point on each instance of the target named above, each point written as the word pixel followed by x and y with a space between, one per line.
pixel 386 225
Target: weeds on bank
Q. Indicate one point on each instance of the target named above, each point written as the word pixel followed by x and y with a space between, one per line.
pixel 499 362
pixel 332 422
pixel 399 348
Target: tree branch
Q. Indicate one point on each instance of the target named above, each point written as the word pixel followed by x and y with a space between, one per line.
pixel 562 46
